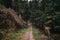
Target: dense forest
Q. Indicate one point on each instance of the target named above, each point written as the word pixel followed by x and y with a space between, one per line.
pixel 39 18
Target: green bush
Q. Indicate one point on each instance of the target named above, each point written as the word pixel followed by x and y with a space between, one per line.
pixel 1 35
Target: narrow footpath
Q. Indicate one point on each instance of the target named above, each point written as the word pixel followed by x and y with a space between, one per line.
pixel 28 35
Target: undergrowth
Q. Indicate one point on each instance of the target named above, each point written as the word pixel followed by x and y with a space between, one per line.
pixel 36 34
pixel 14 35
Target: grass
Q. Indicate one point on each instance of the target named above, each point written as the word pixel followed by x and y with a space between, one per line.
pixel 14 35
pixel 36 34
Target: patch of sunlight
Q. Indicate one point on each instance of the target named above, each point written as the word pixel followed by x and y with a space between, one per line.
pixel 29 0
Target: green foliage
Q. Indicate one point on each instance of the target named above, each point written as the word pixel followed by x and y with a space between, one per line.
pixel 18 33
pixel 36 34
pixel 33 5
pixel 49 13
pixel 1 1
pixel 1 36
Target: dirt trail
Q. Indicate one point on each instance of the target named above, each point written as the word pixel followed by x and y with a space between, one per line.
pixel 28 35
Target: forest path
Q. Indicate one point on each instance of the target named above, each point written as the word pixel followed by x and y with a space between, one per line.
pixel 28 35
